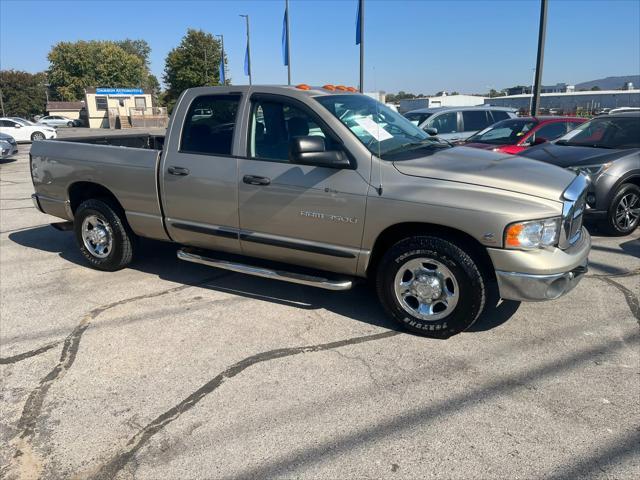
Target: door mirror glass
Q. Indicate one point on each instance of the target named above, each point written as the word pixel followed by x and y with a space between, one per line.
pixel 431 131
pixel 310 150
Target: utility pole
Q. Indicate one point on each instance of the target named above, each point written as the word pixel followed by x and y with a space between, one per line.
pixel 535 103
pixel 1 103
pixel 288 51
pixel 248 53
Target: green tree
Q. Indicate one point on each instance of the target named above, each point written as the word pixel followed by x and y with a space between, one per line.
pixel 193 63
pixel 595 88
pixel 23 93
pixel 74 66
pixel 142 50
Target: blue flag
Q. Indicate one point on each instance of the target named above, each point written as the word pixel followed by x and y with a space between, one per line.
pixel 358 32
pixel 246 61
pixel 222 79
pixel 285 41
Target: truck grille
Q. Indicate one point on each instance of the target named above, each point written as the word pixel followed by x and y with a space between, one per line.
pixel 573 211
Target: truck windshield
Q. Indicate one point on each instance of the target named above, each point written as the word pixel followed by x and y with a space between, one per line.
pixel 383 131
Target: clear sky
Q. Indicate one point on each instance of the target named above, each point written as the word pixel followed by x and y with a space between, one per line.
pixel 419 46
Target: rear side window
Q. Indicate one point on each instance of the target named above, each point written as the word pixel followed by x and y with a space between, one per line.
pixel 499 115
pixel 209 125
pixel 474 120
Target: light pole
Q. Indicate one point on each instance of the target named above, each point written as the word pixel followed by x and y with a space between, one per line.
pixel 248 53
pixel 535 104
pixel 288 51
pixel 223 68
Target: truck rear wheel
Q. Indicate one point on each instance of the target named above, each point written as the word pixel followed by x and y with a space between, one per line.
pixel 103 237
pixel 430 286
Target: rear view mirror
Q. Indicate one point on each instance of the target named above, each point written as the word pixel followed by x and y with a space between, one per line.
pixel 311 150
pixel 17 125
pixel 539 140
pixel 431 131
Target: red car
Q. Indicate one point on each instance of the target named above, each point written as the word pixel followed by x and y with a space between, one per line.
pixel 516 134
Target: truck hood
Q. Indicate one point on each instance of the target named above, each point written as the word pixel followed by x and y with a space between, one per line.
pixel 490 169
pixel 574 156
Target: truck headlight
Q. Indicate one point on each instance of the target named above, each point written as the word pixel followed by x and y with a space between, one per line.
pixel 591 171
pixel 533 234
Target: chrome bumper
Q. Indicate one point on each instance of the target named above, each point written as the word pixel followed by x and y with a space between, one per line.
pixel 535 288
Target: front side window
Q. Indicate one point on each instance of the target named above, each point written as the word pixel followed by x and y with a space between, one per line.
pixel 274 124
pixel 474 120
pixel 444 123
pixel 549 132
pixel 617 132
pixel 209 125
pixel 383 131
pixel 507 132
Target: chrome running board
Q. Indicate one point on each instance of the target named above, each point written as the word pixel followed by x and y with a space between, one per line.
pixel 301 279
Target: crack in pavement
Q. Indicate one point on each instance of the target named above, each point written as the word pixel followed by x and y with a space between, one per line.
pixel 117 463
pixel 33 406
pixel 31 353
pixel 632 299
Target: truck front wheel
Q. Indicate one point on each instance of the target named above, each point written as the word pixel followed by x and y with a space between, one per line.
pixel 430 286
pixel 103 237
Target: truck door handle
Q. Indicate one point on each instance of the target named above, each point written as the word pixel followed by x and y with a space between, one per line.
pixel 179 171
pixel 255 180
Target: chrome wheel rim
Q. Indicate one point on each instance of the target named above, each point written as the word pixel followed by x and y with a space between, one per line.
pixel 426 289
pixel 97 236
pixel 628 211
pixel 38 136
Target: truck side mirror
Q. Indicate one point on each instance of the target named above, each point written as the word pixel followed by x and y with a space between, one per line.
pixel 431 131
pixel 311 150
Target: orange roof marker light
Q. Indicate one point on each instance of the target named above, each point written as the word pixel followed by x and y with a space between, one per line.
pixel 303 86
pixel 328 86
pixel 342 88
pixel 352 89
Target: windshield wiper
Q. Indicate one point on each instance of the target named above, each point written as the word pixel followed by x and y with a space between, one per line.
pixel 423 143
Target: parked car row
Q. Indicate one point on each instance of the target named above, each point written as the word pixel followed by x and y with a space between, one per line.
pixel 23 130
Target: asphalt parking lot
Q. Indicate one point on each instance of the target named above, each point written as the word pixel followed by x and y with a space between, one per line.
pixel 178 371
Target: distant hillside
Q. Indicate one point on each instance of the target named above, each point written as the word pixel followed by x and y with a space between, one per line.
pixel 610 83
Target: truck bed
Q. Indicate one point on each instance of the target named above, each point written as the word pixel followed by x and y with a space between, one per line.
pixel 133 140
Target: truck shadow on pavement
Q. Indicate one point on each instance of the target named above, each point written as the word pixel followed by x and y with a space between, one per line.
pixel 159 258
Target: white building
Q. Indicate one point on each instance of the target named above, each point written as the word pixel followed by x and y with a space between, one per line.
pixel 441 101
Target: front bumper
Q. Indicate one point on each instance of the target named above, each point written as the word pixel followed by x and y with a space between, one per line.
pixel 538 275
pixel 525 287
pixel 9 152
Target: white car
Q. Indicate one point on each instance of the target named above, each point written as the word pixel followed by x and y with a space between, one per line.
pixel 56 121
pixel 25 131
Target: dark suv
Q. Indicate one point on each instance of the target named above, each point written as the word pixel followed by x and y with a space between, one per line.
pixel 607 150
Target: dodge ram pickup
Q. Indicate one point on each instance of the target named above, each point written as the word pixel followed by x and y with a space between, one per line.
pixel 322 186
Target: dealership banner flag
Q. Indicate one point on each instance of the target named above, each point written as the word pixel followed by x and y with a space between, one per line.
pixel 285 40
pixel 247 70
pixel 222 79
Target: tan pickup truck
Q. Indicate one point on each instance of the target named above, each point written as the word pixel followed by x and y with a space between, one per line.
pixel 322 186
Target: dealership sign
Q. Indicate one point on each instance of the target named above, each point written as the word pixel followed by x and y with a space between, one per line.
pixel 119 91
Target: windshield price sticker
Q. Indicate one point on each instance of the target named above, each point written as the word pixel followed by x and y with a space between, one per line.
pixel 373 129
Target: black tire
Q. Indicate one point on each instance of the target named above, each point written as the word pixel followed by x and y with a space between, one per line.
pixel 471 290
pixel 69 124
pixel 616 225
pixel 121 250
pixel 35 136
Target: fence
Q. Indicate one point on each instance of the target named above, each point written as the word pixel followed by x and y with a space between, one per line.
pixel 149 117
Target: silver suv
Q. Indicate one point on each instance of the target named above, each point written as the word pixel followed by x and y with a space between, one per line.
pixel 456 124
